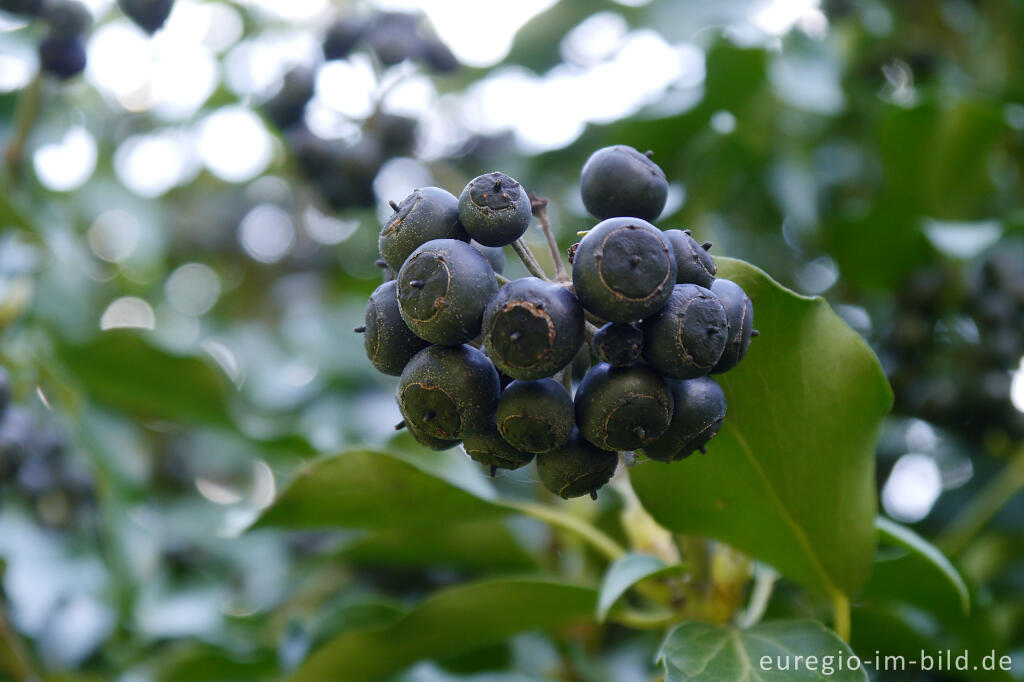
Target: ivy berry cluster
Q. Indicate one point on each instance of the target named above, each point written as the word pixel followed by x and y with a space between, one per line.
pixel 488 362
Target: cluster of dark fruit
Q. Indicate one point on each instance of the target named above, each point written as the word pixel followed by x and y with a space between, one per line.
pixel 953 342
pixel 62 50
pixel 480 363
pixel 36 467
pixel 343 173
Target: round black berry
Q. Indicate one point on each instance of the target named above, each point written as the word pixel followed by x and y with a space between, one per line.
pixel 397 134
pixel 342 37
pixel 495 209
pixel 491 450
pixel 622 408
pixel 438 56
pixel 393 38
pixel 533 328
pixel 430 442
pixel 63 58
pixel 624 270
pixel 694 265
pixel 150 15
pixel 29 7
pixel 428 213
pixel 739 312
pixel 535 416
pixel 495 255
pixel 577 468
pixel 288 105
pixel 67 19
pixel 620 181
pixel 443 289
pixel 618 344
pixel 448 392
pixel 389 342
pixel 699 412
pixel 687 337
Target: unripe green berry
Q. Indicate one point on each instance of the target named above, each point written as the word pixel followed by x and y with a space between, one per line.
pixel 495 209
pixel 739 312
pixel 535 416
pixel 428 213
pixel 622 408
pixel 577 468
pixel 618 344
pixel 448 392
pixel 699 413
pixel 389 342
pixel 620 181
pixel 443 289
pixel 624 270
pixel 694 265
pixel 687 337
pixel 533 328
pixel 494 452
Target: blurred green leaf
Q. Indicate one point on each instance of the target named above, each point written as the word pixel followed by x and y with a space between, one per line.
pixel 790 477
pixel 476 544
pixel 124 370
pixel 700 652
pixel 449 623
pixel 623 574
pixel 367 489
pixel 920 574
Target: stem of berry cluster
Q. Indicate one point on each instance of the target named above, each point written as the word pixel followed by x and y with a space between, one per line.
pixel 555 517
pixel 539 206
pixel 25 116
pixel 529 260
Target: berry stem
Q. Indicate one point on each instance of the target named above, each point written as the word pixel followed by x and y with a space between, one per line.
pixel 540 211
pixel 502 279
pixel 529 260
pixel 25 116
pixel 976 514
pixel 555 517
pixel 640 620
pixel 760 595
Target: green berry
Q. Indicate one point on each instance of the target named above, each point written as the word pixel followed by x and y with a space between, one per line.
pixel 577 468
pixel 694 265
pixel 426 214
pixel 739 312
pixel 535 416
pixel 495 209
pixel 430 442
pixel 699 412
pixel 389 342
pixel 622 408
pixel 620 181
pixel 687 337
pixel 618 344
pixel 491 450
pixel 533 328
pixel 624 270
pixel 448 392
pixel 443 289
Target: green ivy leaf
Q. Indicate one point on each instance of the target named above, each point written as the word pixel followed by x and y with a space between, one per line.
pixel 378 490
pixel 449 623
pixel 124 370
pixel 790 478
pixel 919 574
pixel 697 652
pixel 623 574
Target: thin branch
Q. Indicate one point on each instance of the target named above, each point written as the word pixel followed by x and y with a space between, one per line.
pixel 529 260
pixel 986 503
pixel 25 116
pixel 540 211
pixel 502 279
pixel 764 584
pixel 552 516
pixel 640 620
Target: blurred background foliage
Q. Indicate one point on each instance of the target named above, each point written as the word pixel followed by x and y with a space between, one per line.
pixel 869 152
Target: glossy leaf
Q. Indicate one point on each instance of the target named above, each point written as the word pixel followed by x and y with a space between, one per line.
pixel 449 623
pixel 790 477
pixel 697 652
pixel 377 490
pixel 918 574
pixel 124 370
